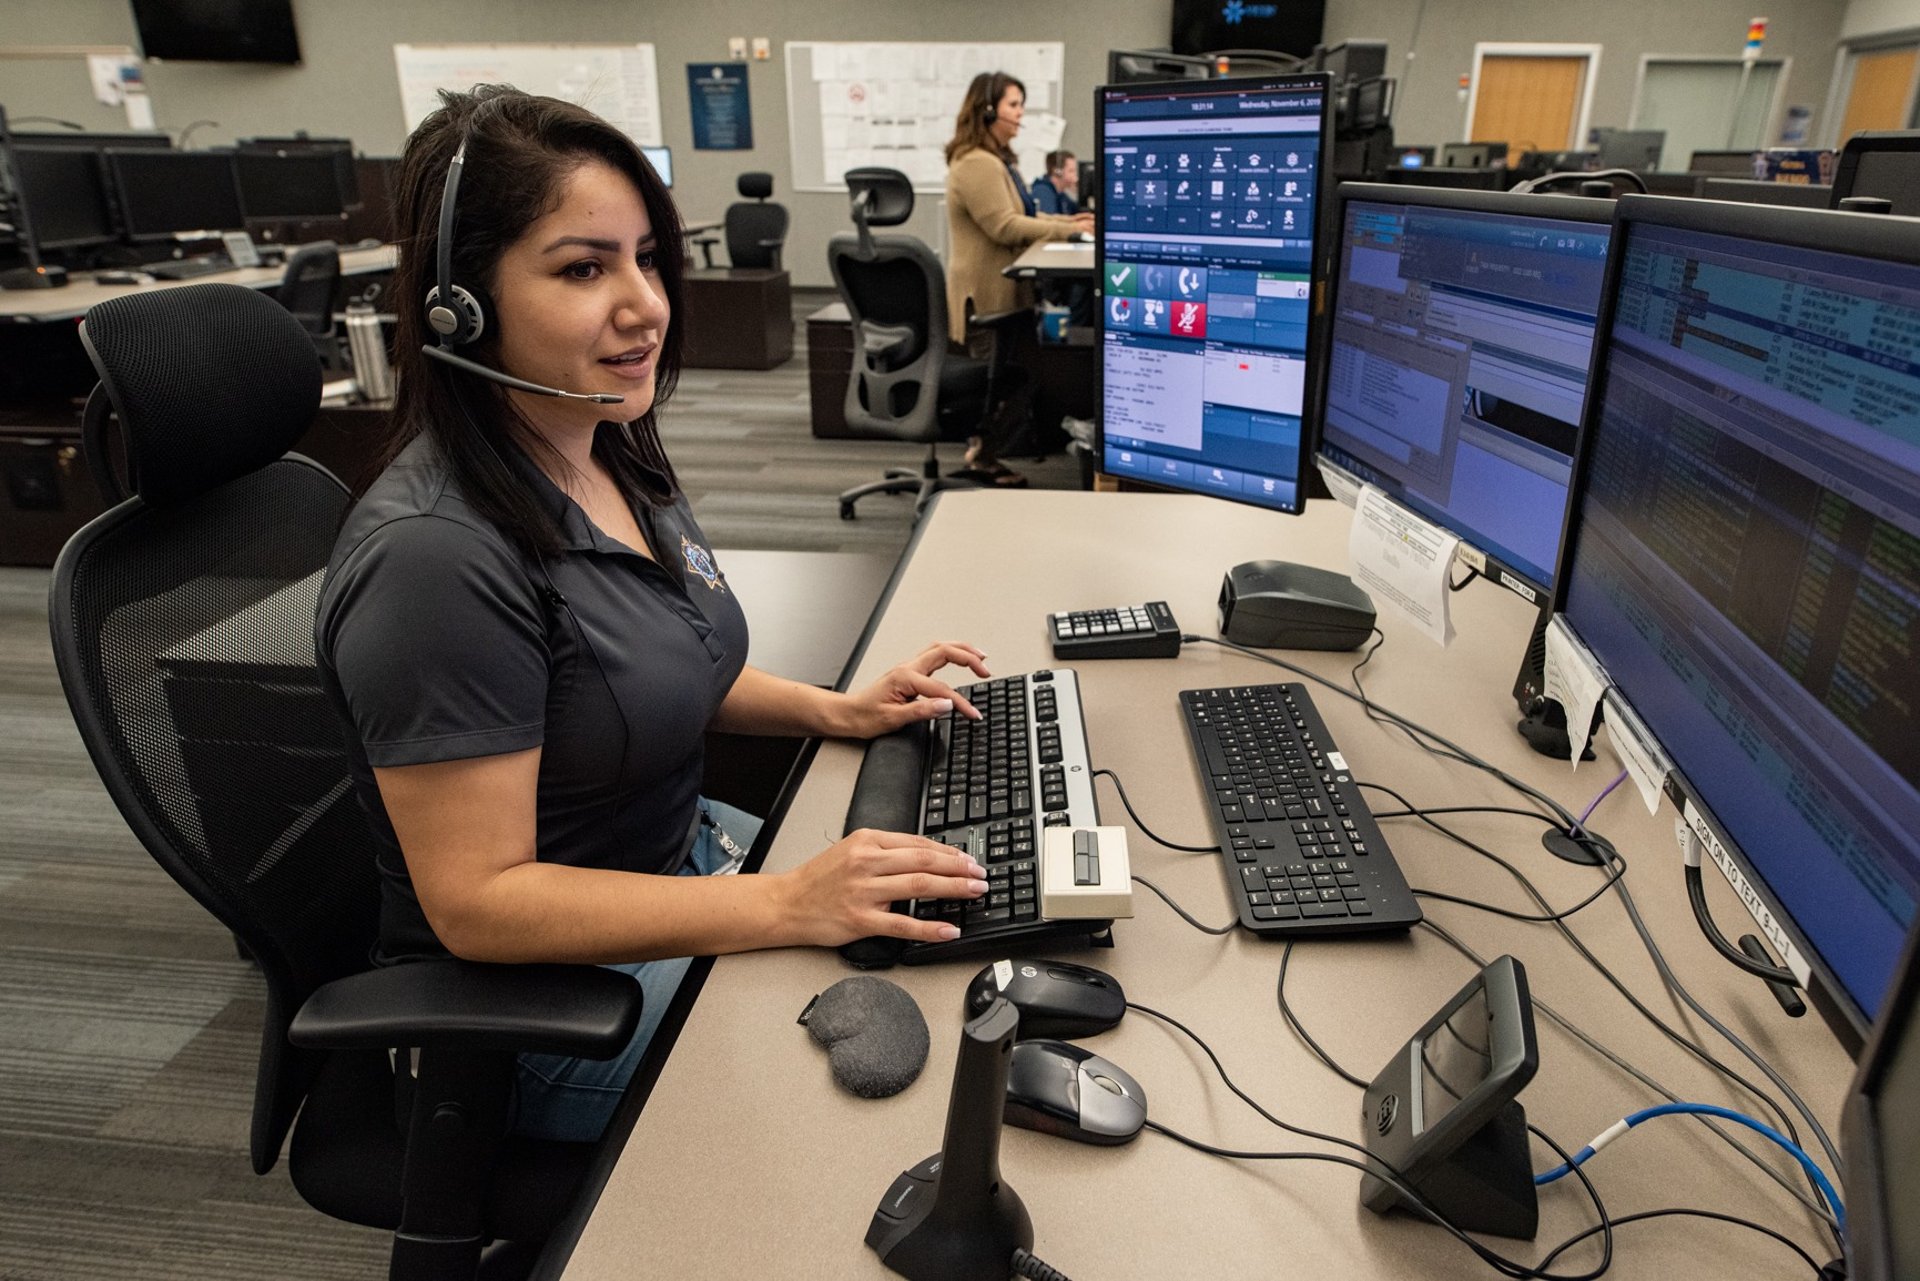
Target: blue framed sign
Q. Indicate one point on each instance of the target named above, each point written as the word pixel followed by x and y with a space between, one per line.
pixel 722 115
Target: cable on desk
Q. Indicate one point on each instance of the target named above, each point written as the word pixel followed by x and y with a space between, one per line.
pixel 1144 829
pixel 1228 928
pixel 1025 1265
pixel 1611 858
pixel 1580 824
pixel 1464 583
pixel 1644 1215
pixel 1644 1115
pixel 1299 1029
pixel 1620 888
pixel 1493 1259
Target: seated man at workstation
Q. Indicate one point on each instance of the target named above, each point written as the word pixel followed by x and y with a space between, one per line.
pixel 1058 190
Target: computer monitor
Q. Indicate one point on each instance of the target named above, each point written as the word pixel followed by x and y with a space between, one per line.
pixel 1472 155
pixel 1886 165
pixel 1462 327
pixel 1743 557
pixel 1207 235
pixel 164 193
pixel 661 158
pixel 346 172
pixel 1880 1135
pixel 88 140
pixel 64 196
pixel 289 186
pixel 1637 149
pixel 1722 164
pixel 1131 66
pixel 1799 195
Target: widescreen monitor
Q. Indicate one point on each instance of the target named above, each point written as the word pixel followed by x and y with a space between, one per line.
pixel 1209 205
pixel 1462 328
pixel 296 186
pixel 1743 556
pixel 65 198
pixel 165 193
pixel 1886 165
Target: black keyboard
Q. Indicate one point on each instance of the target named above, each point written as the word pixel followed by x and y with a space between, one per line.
pixel 988 787
pixel 1302 853
pixel 186 268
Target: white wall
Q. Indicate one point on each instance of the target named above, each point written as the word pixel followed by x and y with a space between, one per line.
pixel 1878 17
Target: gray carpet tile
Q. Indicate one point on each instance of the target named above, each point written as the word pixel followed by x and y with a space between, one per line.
pixel 129 1032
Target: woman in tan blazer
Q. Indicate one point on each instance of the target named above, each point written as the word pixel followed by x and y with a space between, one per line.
pixel 990 220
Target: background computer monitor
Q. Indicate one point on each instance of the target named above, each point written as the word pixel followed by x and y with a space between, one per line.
pixel 1472 155
pixel 1461 331
pixel 346 172
pixel 1207 236
pixel 1743 554
pixel 661 158
pixel 296 186
pixel 1131 66
pixel 1749 191
pixel 74 138
pixel 1886 165
pixel 1637 149
pixel 65 198
pixel 164 193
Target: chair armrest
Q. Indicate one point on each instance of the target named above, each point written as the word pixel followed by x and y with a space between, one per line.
pixel 580 1010
pixel 1000 321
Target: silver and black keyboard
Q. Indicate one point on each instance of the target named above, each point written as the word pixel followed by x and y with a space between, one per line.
pixel 1302 854
pixel 988 787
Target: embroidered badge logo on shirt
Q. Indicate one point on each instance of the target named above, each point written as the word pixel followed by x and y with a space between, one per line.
pixel 700 561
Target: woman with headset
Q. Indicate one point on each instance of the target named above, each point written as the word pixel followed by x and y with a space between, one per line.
pixel 523 628
pixel 990 220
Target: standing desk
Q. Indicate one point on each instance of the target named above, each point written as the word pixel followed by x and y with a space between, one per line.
pixel 31 306
pixel 1053 260
pixel 748 1161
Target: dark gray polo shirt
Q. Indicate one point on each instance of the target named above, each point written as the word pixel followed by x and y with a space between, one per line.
pixel 439 640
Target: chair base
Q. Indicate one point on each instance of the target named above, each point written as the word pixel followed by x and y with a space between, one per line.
pixel 922 484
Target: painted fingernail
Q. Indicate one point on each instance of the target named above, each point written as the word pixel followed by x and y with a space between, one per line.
pixel 948 932
pixel 974 868
pixel 942 706
pixel 976 887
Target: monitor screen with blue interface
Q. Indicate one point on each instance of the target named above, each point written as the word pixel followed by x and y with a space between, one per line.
pixel 1209 192
pixel 1745 560
pixel 1457 365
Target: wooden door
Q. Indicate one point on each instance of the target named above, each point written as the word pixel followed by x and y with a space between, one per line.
pixel 1880 92
pixel 1531 102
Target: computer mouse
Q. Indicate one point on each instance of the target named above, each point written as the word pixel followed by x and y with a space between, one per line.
pixel 1069 1091
pixel 1054 998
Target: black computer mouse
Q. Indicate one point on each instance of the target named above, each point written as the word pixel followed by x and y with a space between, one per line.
pixel 1054 998
pixel 1069 1091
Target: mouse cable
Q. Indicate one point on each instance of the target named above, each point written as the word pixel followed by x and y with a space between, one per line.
pixel 1320 1053
pixel 1607 851
pixel 1571 823
pixel 1146 831
pixel 1025 1265
pixel 1611 858
pixel 1498 1262
pixel 1644 1115
pixel 1398 1180
pixel 1573 1029
pixel 1228 928
pixel 1643 1215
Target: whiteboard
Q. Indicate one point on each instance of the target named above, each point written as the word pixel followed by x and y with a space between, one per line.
pixel 616 82
pixel 894 104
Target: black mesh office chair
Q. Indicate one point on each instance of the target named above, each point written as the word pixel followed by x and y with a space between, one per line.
pixel 306 291
pixel 182 624
pixel 906 384
pixel 756 227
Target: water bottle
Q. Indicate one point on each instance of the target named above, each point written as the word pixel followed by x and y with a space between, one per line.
pixel 367 348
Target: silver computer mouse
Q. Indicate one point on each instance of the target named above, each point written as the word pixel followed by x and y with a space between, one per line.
pixel 1058 1088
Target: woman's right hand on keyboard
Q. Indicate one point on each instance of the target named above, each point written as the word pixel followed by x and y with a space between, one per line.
pixel 848 890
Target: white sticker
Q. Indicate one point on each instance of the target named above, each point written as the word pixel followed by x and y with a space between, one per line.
pixel 1338 762
pixel 1575 681
pixel 1403 561
pixel 1002 974
pixel 1508 580
pixel 1770 927
pixel 1472 557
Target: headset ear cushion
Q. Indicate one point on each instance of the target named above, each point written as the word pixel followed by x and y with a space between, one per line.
pixel 465 320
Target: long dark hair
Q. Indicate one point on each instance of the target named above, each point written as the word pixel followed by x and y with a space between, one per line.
pixel 521 149
pixel 971 130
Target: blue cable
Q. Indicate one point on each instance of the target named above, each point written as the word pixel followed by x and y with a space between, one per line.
pixel 1707 1109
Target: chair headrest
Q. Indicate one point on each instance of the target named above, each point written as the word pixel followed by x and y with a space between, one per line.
pixel 889 195
pixel 755 186
pixel 210 382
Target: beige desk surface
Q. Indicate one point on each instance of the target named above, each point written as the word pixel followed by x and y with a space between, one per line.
pixel 26 306
pixel 749 1162
pixel 1053 258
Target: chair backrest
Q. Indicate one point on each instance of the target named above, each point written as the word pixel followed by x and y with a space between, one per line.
pixel 308 287
pixel 896 293
pixel 756 227
pixel 182 624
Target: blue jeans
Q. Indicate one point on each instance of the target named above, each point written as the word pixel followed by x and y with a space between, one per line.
pixel 556 1097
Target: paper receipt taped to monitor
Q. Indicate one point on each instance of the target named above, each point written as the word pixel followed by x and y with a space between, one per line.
pixel 1574 680
pixel 1403 561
